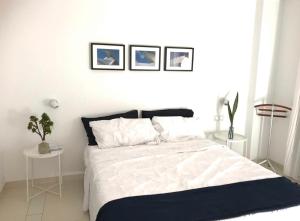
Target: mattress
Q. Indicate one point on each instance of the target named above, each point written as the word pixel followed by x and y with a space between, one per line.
pixel 169 167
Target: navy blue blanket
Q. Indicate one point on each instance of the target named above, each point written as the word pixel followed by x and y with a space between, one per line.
pixel 210 203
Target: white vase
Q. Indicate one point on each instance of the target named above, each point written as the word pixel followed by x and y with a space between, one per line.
pixel 231 132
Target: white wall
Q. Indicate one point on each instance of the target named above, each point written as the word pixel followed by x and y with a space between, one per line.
pixel 45 53
pixel 285 70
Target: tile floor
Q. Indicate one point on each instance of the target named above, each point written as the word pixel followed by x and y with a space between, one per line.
pixel 46 207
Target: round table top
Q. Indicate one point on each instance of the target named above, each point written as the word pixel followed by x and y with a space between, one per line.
pixel 34 153
pixel 223 135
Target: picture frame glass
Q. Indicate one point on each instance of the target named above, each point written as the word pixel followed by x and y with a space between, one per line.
pixel 179 59
pixel 144 58
pixel 108 57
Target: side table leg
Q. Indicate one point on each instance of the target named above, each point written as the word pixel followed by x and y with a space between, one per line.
pixel 27 178
pixel 59 175
pixel 32 175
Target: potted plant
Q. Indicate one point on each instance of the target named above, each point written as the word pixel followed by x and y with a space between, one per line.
pixel 231 113
pixel 41 127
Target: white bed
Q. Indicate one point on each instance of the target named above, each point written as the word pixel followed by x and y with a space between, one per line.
pixel 168 167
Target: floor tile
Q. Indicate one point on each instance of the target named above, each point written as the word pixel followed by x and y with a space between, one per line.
pixel 13 209
pixel 47 206
pixel 9 192
pixel 69 207
pixel 34 218
pixel 36 205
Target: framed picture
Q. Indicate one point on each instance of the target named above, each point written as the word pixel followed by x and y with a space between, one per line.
pixel 107 56
pixel 144 58
pixel 179 59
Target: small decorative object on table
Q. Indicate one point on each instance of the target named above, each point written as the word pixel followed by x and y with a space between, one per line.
pixel 41 127
pixel 231 113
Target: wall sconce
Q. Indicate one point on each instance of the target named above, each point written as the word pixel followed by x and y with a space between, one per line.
pixel 220 105
pixel 53 103
pixel 224 101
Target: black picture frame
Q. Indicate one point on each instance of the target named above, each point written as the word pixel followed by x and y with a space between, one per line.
pixel 116 61
pixel 173 65
pixel 150 63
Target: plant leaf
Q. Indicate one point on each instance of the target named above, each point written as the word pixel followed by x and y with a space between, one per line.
pixel 230 113
pixel 33 118
pixel 235 105
pixel 29 127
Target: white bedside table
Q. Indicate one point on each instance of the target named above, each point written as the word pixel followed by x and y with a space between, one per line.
pixel 32 154
pixel 238 138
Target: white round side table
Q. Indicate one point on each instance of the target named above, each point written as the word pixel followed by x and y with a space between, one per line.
pixel 237 138
pixel 32 154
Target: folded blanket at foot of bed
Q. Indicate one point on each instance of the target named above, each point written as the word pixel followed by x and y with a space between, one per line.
pixel 210 203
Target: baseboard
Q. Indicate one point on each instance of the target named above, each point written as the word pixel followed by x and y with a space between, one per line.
pixel 66 177
pixel 65 173
pixel 73 173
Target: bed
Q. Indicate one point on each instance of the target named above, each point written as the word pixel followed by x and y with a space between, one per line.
pixel 171 167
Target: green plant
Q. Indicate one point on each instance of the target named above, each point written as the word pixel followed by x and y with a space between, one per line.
pixel 231 112
pixel 41 127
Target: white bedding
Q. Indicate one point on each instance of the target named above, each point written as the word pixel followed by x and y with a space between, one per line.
pixel 150 169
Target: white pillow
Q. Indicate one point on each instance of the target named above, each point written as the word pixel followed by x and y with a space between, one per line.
pixel 123 132
pixel 178 128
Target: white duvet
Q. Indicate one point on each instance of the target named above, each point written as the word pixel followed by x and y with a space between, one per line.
pixel 151 169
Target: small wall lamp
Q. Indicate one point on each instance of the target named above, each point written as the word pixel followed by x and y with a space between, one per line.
pixel 53 103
